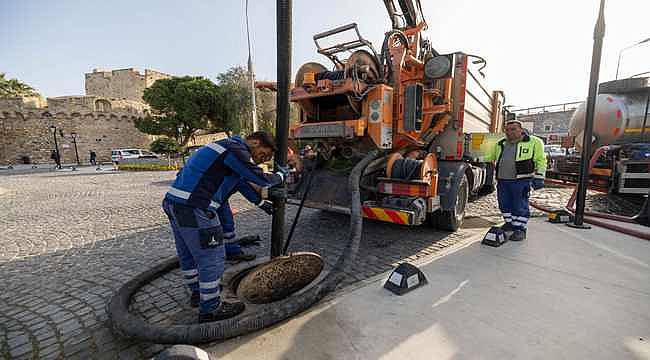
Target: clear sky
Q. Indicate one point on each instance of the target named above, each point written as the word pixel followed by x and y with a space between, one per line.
pixel 539 52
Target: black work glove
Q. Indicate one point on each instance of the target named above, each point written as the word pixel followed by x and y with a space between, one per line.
pixel 277 192
pixel 267 206
pixel 537 183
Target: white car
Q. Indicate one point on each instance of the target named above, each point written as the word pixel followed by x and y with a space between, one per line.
pixel 122 154
pixel 554 150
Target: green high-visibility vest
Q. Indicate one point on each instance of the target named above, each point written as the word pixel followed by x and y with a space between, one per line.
pixel 530 159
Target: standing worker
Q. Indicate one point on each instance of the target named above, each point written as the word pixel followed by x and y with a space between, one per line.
pixel 520 165
pixel 202 187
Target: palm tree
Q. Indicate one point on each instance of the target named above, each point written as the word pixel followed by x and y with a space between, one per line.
pixel 15 88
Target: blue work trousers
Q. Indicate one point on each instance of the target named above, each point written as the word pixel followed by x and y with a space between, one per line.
pixel 200 249
pixel 513 202
pixel 228 226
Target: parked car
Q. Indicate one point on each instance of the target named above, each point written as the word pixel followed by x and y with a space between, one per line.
pixel 122 154
pixel 554 150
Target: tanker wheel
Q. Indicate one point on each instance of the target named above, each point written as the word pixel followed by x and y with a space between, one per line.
pixel 451 220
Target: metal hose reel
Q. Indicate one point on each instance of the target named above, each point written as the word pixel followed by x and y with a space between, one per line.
pixel 410 168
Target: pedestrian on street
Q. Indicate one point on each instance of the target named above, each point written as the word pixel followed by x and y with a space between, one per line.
pixel 93 158
pixel 192 204
pixel 520 165
pixel 57 158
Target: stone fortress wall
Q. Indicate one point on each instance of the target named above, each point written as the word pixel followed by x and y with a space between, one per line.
pixel 102 120
pixel 125 84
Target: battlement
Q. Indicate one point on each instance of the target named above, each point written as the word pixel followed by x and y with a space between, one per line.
pixel 123 84
pixel 72 104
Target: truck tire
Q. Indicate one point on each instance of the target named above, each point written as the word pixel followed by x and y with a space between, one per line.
pixel 451 220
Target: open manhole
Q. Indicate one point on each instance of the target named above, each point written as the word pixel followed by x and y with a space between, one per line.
pixel 278 278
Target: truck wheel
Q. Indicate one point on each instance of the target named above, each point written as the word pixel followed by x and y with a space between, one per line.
pixel 451 220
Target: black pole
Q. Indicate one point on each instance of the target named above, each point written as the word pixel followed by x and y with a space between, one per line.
pixel 599 33
pixel 283 20
pixel 76 153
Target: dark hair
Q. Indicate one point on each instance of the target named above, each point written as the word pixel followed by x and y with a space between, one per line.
pixel 264 138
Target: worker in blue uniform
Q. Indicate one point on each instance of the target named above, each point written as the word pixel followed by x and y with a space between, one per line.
pixel 193 203
pixel 234 251
pixel 520 165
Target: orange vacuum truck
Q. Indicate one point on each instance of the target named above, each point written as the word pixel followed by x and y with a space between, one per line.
pixel 427 114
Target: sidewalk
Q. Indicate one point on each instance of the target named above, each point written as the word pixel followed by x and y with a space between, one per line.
pixel 563 293
pixel 41 168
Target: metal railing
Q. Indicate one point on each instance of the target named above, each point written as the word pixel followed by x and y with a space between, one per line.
pixel 548 108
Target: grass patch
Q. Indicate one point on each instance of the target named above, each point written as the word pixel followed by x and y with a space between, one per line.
pixel 147 167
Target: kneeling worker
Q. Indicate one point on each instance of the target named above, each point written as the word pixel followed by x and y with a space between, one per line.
pixel 520 165
pixel 193 203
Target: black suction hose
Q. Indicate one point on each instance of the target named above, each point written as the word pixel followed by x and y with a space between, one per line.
pixel 132 326
pixel 295 220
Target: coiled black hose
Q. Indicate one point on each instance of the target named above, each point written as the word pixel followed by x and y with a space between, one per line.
pixel 385 59
pixel 405 168
pixel 132 326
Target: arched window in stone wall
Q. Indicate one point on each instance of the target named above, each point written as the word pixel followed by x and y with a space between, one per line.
pixel 102 105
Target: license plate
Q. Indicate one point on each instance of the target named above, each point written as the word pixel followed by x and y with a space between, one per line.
pixel 319 131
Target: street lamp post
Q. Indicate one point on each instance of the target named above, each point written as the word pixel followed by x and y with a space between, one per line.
pixel 74 141
pixel 48 116
pixel 618 64
pixel 251 74
pixel 180 141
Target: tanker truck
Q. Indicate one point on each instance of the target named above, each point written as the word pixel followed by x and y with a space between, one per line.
pixel 620 121
pixel 426 114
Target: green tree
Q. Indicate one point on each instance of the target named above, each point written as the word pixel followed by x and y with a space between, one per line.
pixel 181 106
pixel 15 88
pixel 165 145
pixel 235 99
pixel 235 94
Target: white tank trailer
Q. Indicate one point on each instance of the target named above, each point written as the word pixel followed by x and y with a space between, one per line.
pixel 621 118
pixel 621 114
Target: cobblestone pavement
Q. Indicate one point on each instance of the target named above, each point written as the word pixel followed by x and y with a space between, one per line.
pixel 70 240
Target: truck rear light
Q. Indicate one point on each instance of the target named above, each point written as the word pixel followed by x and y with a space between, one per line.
pixel 422 190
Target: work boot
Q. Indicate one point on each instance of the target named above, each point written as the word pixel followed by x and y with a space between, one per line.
pixel 195 299
pixel 507 227
pixel 518 235
pixel 242 256
pixel 225 310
